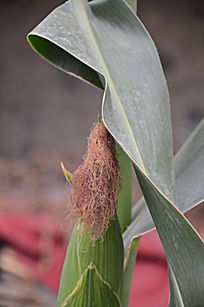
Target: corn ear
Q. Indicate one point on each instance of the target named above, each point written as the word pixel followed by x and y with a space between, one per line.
pixel 106 255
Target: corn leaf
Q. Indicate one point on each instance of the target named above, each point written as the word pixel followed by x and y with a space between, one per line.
pixel 92 291
pixel 125 197
pixel 189 171
pixel 132 4
pixel 108 36
pixel 183 247
pixel 189 177
pixel 124 293
pixel 124 209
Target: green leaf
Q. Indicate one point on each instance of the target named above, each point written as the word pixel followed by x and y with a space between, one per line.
pixel 132 4
pixel 189 177
pixel 124 293
pixel 60 58
pixel 189 171
pixel 107 255
pixel 125 197
pixel 67 174
pixel 183 247
pixel 92 291
pixel 108 37
pixel 175 298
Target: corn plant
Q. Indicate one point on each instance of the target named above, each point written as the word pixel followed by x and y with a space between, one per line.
pixel 104 43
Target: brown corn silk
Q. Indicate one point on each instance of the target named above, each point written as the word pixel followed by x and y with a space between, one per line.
pixel 96 183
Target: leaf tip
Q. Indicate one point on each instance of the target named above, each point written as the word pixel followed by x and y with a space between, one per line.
pixel 67 174
pixel 99 119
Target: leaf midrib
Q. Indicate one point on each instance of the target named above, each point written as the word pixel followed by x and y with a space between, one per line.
pixel 109 80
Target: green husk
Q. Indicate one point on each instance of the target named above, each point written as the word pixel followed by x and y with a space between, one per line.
pixel 107 254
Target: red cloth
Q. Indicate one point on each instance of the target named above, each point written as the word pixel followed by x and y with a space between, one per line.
pixel 32 237
pixel 150 287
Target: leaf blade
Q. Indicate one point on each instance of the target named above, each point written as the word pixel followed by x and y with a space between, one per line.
pixel 124 293
pixel 188 179
pixel 124 209
pixel 98 25
pixel 189 170
pixel 183 246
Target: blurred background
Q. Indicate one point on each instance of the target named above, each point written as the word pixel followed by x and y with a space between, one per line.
pixel 45 118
